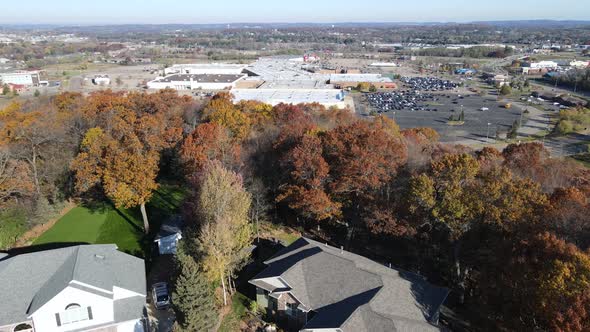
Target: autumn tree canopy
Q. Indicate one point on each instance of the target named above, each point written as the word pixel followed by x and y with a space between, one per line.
pixel 121 153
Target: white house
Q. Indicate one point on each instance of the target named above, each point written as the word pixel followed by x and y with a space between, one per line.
pixel 79 288
pixel 169 235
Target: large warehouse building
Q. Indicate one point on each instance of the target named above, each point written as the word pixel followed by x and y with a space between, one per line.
pixel 196 81
pixel 206 68
pixel 25 78
pixel 326 97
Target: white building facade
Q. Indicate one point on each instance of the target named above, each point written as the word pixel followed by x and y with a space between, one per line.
pixel 196 81
pixel 206 68
pixel 20 78
pixel 80 288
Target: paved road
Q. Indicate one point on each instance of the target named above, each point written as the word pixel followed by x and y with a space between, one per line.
pixel 161 269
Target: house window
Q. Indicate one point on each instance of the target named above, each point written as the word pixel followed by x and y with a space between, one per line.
pixel 23 327
pixel 291 309
pixel 73 313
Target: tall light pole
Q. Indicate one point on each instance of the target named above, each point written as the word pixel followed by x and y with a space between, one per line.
pixel 488 133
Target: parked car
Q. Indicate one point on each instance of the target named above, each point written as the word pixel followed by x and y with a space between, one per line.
pixel 160 295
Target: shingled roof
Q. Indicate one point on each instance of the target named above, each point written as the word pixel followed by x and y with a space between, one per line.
pixel 352 292
pixel 31 280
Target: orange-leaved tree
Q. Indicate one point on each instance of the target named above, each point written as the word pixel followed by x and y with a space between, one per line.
pixel 305 191
pixel 31 133
pixel 209 141
pixel 121 154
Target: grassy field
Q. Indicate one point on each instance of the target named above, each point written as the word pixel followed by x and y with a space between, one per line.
pixel 103 223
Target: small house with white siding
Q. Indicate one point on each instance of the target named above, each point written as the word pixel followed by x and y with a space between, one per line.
pixel 169 235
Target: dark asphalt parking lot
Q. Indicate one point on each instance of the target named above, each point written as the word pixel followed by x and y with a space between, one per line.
pixel 476 121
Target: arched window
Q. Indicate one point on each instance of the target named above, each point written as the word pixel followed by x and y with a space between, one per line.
pixel 22 327
pixel 72 306
pixel 73 313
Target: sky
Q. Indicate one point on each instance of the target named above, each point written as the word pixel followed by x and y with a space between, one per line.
pixel 280 11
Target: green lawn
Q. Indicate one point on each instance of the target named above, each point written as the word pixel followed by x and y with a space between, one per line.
pixel 231 321
pixel 12 226
pixel 103 223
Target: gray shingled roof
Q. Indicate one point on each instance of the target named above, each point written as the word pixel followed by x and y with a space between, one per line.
pixel 30 280
pixel 171 226
pixel 352 292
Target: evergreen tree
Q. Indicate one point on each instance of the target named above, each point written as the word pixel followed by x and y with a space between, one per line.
pixel 462 116
pixel 513 133
pixel 193 299
pixel 505 90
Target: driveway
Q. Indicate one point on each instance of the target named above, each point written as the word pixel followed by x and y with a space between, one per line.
pixel 161 269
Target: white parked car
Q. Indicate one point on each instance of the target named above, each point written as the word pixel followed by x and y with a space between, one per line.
pixel 484 109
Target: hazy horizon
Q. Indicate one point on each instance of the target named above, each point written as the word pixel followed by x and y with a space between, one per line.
pixel 111 12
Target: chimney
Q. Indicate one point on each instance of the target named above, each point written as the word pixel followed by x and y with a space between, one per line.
pixel 341 249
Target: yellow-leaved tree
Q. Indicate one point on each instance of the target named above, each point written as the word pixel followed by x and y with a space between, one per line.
pixel 226 233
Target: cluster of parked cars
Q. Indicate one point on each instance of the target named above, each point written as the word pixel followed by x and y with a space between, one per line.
pixel 407 100
pixel 429 83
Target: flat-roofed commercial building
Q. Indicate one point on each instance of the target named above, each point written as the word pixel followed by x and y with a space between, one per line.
pixel 326 97
pixel 206 68
pixel 29 78
pixel 196 82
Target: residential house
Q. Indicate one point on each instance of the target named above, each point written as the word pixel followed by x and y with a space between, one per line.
pixel 313 287
pixel 78 288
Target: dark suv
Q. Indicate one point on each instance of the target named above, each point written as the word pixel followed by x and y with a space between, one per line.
pixel 160 295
